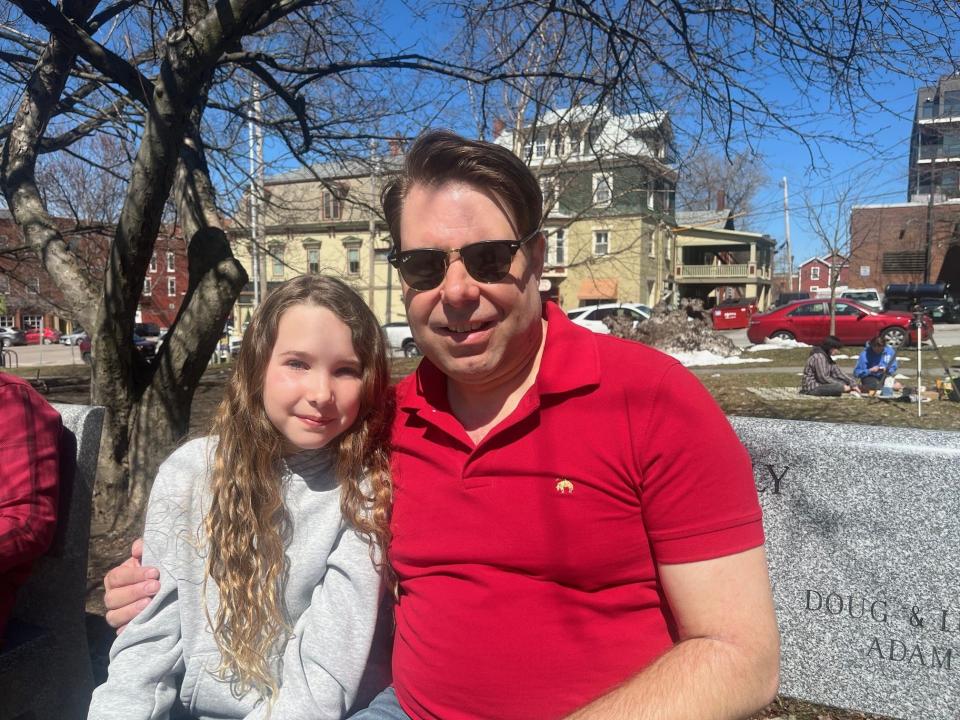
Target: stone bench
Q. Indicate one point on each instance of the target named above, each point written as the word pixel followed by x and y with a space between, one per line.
pixel 45 663
pixel 863 545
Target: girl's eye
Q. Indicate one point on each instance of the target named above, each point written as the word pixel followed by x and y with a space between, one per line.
pixel 348 372
pixel 296 364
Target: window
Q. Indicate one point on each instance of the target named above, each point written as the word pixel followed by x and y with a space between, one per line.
pixel 548 188
pixel 845 309
pixel 276 262
pixel 33 285
pixel 171 287
pixel 313 261
pixel 573 144
pixel 147 289
pixel 540 148
pixel 817 308
pixel 951 103
pixel 380 255
pixel 331 206
pixel 651 196
pixel 171 262
pixel 864 271
pixel 602 189
pixel 814 288
pixel 353 261
pixel 558 145
pixel 32 322
pixel 556 248
pixel 4 285
pixel 153 262
pixel 7 320
pixel 815 272
pixel 601 242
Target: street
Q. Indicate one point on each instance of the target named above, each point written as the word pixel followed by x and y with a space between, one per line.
pixel 45 355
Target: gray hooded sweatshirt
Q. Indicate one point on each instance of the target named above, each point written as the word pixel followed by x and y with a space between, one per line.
pixel 167 655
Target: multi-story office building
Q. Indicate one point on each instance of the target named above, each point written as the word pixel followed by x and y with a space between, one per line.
pixel 935 143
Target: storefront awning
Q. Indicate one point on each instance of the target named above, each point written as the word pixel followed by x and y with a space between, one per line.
pixel 598 289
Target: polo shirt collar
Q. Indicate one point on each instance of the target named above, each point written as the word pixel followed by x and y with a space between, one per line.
pixel 570 361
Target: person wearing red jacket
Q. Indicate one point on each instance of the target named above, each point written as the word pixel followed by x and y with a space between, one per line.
pixel 29 475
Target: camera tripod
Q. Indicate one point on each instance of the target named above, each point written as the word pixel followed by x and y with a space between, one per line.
pixel 918 315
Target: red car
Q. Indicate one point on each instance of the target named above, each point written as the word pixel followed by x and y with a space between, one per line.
pixel 808 321
pixel 50 336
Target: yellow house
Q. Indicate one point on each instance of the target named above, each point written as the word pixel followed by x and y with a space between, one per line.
pixel 324 219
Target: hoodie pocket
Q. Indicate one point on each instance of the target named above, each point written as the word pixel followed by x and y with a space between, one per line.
pixel 209 696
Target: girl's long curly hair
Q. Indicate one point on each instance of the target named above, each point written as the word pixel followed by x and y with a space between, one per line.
pixel 245 525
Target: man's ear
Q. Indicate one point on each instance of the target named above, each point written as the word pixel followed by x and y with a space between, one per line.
pixel 538 253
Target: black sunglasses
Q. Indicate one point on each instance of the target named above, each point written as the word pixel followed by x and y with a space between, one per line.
pixel 487 261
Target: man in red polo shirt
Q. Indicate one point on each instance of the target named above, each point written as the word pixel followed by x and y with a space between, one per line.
pixel 29 484
pixel 575 531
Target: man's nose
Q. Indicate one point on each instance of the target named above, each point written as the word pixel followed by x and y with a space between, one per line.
pixel 458 286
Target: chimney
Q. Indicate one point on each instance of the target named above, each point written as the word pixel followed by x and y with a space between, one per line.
pixel 498 127
pixel 721 200
pixel 396 146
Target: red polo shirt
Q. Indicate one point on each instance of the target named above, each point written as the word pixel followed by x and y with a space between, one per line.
pixel 527 563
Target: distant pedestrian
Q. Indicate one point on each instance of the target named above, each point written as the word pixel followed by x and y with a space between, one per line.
pixel 821 374
pixel 877 360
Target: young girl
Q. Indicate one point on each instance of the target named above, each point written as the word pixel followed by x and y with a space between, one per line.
pixel 268 533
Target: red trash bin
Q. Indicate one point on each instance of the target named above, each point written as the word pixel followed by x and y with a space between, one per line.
pixel 732 315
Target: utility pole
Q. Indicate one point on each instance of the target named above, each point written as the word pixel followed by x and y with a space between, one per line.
pixel 255 151
pixel 786 227
pixel 373 226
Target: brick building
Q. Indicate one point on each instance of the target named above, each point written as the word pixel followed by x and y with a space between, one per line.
pixel 814 274
pixel 31 298
pixel 165 285
pixel 905 243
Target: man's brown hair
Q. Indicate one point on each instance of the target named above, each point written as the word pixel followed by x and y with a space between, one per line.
pixel 440 156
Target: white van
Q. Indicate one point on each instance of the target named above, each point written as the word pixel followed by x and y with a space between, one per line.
pixel 865 296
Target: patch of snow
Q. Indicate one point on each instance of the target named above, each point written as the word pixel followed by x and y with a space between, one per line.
pixel 901 376
pixel 705 357
pixel 844 357
pixel 776 344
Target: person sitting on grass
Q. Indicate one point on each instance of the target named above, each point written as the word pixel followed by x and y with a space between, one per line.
pixel 876 361
pixel 821 374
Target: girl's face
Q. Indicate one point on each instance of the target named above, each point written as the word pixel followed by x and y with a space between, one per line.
pixel 313 381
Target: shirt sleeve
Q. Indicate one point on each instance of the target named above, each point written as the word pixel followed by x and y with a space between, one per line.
pixel 146 659
pixel 325 658
pixel 698 496
pixel 861 370
pixel 29 475
pixel 822 369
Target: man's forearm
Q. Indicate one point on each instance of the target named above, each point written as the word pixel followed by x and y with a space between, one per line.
pixel 699 679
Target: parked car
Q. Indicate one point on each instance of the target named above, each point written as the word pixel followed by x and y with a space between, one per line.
pixel 50 336
pixel 10 335
pixel 808 321
pixel 946 310
pixel 145 346
pixel 72 338
pixel 785 298
pixel 865 296
pixel 148 331
pixel 733 314
pixel 592 316
pixel 400 339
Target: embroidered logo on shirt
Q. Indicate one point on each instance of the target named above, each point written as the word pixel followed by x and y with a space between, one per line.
pixel 564 486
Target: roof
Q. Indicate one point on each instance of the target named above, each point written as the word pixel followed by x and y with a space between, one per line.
pixel 707 219
pixel 337 169
pixel 620 134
